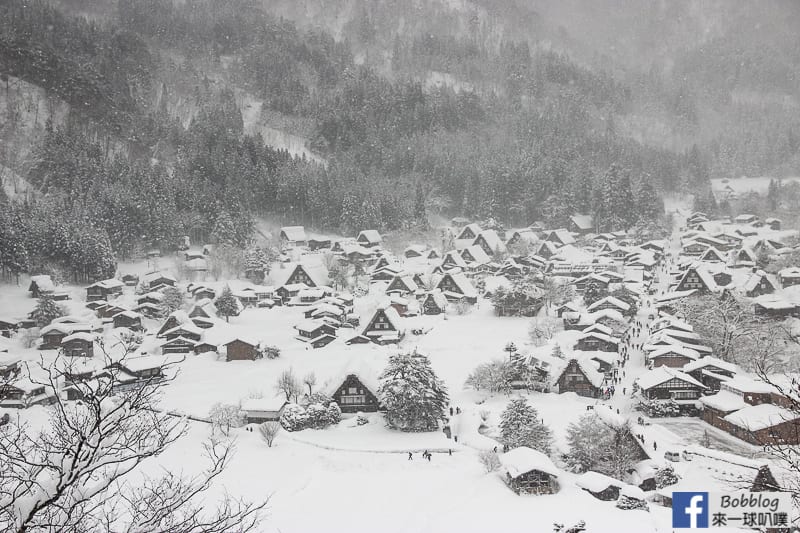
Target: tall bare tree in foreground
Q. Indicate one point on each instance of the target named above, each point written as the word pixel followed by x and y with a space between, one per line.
pixel 76 474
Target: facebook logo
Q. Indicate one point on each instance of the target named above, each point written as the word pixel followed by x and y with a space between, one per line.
pixel 690 509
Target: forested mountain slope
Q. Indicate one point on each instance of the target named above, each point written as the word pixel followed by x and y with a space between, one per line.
pixel 512 110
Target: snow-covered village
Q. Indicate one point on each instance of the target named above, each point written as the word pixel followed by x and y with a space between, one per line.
pixel 406 267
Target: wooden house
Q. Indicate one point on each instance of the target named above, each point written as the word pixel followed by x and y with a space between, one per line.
pixel 764 425
pixel 758 284
pixel 664 383
pixel 600 281
pixel 434 303
pixel 415 250
pixel 157 280
pixel 712 255
pixel 453 259
pixel 581 224
pixel 693 247
pixel 53 334
pixel 41 285
pixel 78 345
pixel 773 223
pixel 202 293
pixel 260 410
pixel 710 371
pixel 673 356
pixel 128 319
pixel 241 350
pixel 745 218
pixel 402 285
pixel 456 287
pixel 384 327
pixel 560 237
pixel 369 238
pixel 697 279
pixel 153 298
pixel 186 330
pixel 9 368
pixel 599 485
pixel 132 370
pixel 205 347
pixel 293 236
pixel 490 242
pixel 580 377
pixel 318 332
pixel 469 232
pixel 528 471
pixel 130 280
pixel 744 257
pixel 22 392
pixel 318 243
pixel 610 302
pixel 103 290
pixel 789 277
pixel 178 345
pixel 546 250
pixel 596 342
pixel 354 396
pixel 8 326
pixel 303 274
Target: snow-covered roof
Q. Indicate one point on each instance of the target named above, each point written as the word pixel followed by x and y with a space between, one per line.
pixel 596 482
pixel 662 374
pixel 790 272
pixel 111 283
pixel 632 492
pixel 616 302
pixel 724 401
pixel 599 328
pixel 187 327
pixel 493 240
pixel 710 361
pixel 154 295
pixel 263 404
pixel 744 383
pixel 676 349
pixel 294 233
pixel 44 282
pixel 317 272
pixel 310 324
pixel 153 276
pixel 479 256
pixel 583 222
pixel 562 235
pixel 463 283
pixel 522 460
pixel 755 417
pixel 370 235
pixel 454 257
pixel 474 228
pixel 83 336
pixel 438 298
pixel 601 336
pixel 146 362
pixel 129 314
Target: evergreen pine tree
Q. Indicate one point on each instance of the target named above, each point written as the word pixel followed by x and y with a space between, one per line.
pixel 46 311
pixel 666 476
pixel 420 215
pixel 414 397
pixel 227 305
pixel 520 425
pixel 172 301
pixel 224 231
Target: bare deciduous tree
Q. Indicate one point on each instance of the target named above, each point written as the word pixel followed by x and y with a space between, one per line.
pixel 75 475
pixel 288 385
pixel 269 430
pixel 224 417
pixel 309 380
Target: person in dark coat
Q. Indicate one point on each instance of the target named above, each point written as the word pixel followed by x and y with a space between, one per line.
pixel 410 456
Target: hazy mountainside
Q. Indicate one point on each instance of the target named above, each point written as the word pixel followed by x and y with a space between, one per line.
pixel 513 110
